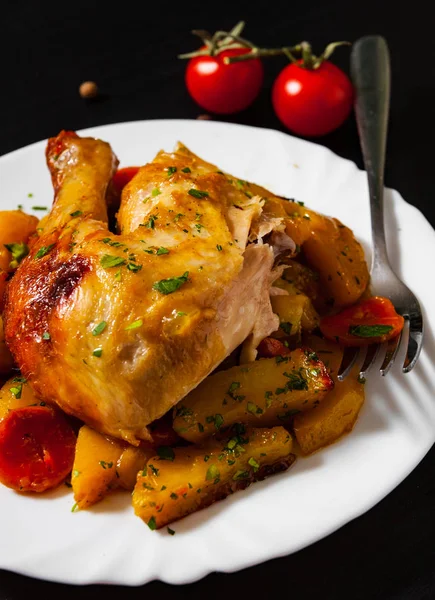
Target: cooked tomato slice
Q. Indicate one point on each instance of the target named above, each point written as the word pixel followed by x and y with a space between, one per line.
pixel 270 348
pixel 122 177
pixel 37 446
pixel 371 321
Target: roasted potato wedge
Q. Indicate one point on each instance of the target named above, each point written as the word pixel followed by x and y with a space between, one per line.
pixel 102 464
pixel 338 257
pixel 192 478
pixel 296 313
pixel 15 227
pixel 337 414
pixel 94 470
pixel 16 393
pixel 131 461
pixel 263 393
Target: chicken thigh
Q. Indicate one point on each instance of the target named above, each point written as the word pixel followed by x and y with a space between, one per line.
pixel 116 329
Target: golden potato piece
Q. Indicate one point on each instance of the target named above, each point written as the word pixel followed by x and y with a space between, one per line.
pixel 336 416
pixel 131 461
pixel 15 227
pixel 192 478
pixel 339 259
pixel 296 313
pixel 338 412
pixel 94 470
pixel 16 393
pixel 263 393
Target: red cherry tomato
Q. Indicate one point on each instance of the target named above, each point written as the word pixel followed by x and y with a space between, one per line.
pixel 312 102
pixel 371 321
pixel 37 447
pixel 221 88
pixel 122 177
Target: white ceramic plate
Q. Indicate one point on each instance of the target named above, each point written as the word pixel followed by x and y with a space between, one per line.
pixel 41 537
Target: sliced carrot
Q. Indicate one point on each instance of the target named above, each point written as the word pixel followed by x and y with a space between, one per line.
pixel 372 321
pixel 37 446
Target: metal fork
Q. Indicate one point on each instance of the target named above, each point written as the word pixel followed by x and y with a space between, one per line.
pixel 370 69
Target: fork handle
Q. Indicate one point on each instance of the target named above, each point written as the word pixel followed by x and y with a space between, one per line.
pixel 370 70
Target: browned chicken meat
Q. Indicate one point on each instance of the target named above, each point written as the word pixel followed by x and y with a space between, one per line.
pixel 116 329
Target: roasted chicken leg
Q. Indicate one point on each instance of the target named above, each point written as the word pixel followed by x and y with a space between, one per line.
pixel 116 329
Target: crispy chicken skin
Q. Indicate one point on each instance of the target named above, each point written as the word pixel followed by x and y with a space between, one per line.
pixel 86 318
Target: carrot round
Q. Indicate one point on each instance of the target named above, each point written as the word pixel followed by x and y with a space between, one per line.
pixel 37 446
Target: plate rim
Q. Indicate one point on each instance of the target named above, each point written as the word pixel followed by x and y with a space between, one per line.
pixel 351 515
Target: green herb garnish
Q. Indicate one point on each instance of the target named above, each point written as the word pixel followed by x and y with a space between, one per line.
pixel 107 261
pixel 197 193
pixel 152 523
pixel 44 250
pixel 99 328
pixel 368 331
pixel 134 325
pixel 170 285
pixel 19 250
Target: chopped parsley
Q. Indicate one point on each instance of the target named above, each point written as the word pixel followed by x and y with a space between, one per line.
pixel 152 523
pixel 106 465
pixel 107 261
pixel 99 328
pixel 44 250
pixel 171 171
pixel 39 208
pixel 76 213
pixel 296 381
pixel 162 250
pixel 212 473
pixel 240 475
pixel 134 267
pixel 174 496
pixel 19 250
pixel 368 331
pixel 170 531
pixel 269 399
pixel 153 470
pixel 197 193
pixel 286 327
pixel 253 463
pixel 16 391
pixel 110 242
pixel 165 453
pixel 155 192
pixel 97 352
pixel 134 325
pixel 170 285
pixel 219 247
pixel 281 359
pixel 150 223
pixel 186 170
pixel 46 335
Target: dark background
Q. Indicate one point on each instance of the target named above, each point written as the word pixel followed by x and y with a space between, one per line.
pixel 48 49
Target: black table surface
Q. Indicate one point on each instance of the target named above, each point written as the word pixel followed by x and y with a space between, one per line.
pixel 48 49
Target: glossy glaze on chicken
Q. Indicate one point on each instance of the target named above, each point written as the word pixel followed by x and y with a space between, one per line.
pixel 117 328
